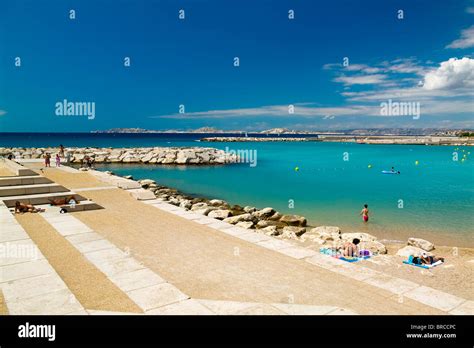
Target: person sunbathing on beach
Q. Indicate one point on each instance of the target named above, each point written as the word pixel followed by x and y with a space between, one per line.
pixel 350 249
pixel 429 260
pixel 63 201
pixel 365 213
pixel 26 208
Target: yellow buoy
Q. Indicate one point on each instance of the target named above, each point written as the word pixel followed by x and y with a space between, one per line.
pixel 369 166
pixel 417 163
pixel 297 169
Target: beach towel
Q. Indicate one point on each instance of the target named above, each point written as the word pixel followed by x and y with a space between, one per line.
pixel 364 254
pixel 410 262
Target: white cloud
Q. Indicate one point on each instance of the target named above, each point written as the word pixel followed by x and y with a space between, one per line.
pixel 361 79
pixel 278 111
pixel 466 40
pixel 451 74
pixel 470 10
pixel 2 112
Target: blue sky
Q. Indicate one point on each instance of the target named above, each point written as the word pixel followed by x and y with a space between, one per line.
pixel 426 58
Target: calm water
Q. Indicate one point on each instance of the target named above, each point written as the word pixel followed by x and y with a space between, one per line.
pixel 434 199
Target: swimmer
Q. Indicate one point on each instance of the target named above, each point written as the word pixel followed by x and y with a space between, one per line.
pixel 365 213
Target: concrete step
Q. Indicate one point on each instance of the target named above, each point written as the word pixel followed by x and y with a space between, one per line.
pixel 31 189
pixel 82 206
pixel 43 198
pixel 23 180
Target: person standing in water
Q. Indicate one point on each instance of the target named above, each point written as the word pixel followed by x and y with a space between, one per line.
pixel 365 213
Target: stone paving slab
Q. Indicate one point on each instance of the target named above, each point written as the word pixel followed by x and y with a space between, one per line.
pixel 24 270
pixel 342 311
pixel 111 268
pixel 434 298
pixel 138 279
pixel 297 252
pixel 31 287
pixel 226 307
pixel 96 312
pixel 235 231
pixel 218 225
pixel 94 245
pixel 19 251
pixel 204 220
pixel 274 244
pixel 12 234
pixel 83 237
pixel 395 285
pixel 261 309
pixel 354 271
pixel 297 309
pixel 466 308
pixel 326 262
pixel 141 194
pixel 108 255
pixel 156 296
pixel 253 237
pixel 186 307
pixel 53 303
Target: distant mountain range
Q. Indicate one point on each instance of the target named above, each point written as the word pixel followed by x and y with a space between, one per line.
pixel 359 132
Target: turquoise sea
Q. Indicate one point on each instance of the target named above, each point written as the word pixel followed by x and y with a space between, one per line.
pixel 327 182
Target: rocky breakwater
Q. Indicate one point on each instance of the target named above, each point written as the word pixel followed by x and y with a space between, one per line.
pixel 147 155
pixel 266 220
pixel 253 139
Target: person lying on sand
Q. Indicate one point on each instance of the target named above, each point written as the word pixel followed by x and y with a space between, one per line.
pixel 429 260
pixel 26 208
pixel 350 249
pixel 63 201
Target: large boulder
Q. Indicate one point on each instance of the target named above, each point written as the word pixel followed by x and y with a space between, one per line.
pixel 421 243
pixel 245 224
pixel 275 217
pixel 264 213
pixel 411 250
pixel 266 223
pixel 239 218
pixel 293 220
pixel 292 232
pixel 374 247
pixel 198 206
pixel 217 202
pixel 326 233
pixel 249 209
pixel 270 231
pixel 220 214
pixel 186 204
pixel 298 231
